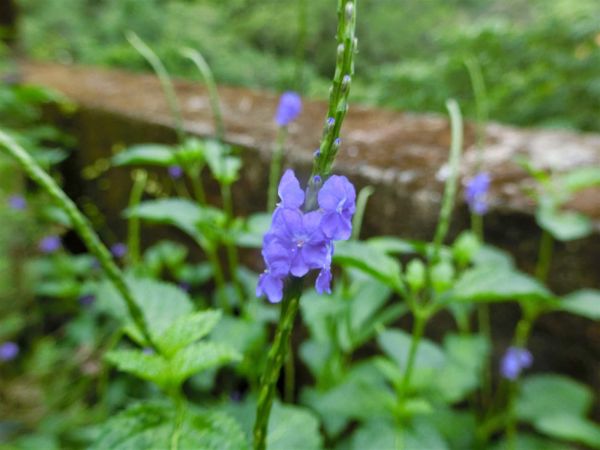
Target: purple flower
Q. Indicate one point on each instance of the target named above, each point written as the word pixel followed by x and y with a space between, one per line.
pixel 175 172
pixel 337 199
pixel 290 105
pixel 8 351
pixel 49 244
pixel 17 202
pixel 300 241
pixel 119 250
pixel 476 193
pixel 514 361
pixel 185 287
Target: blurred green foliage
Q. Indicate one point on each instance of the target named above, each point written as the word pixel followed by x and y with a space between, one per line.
pixel 540 59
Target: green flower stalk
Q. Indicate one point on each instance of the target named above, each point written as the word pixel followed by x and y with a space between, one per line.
pixel 81 226
pixel 324 158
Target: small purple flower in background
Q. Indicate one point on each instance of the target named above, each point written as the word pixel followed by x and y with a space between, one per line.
pixel 87 299
pixel 300 241
pixel 148 351
pixel 476 193
pixel 17 202
pixel 175 172
pixel 119 250
pixel 514 361
pixel 49 244
pixel 8 351
pixel 290 106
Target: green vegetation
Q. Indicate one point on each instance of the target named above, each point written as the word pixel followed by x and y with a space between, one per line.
pixel 540 59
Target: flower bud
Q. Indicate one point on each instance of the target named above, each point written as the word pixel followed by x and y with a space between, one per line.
pixel 415 274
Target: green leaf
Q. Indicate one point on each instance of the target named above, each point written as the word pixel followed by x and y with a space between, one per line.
pixel 291 427
pixel 146 154
pixel 524 441
pixel 570 428
pixel 165 254
pixel 361 395
pixel 188 329
pixel 150 367
pixel 564 225
pixel 579 179
pixel 161 303
pixel 492 256
pixel 256 226
pixel 151 425
pixel 198 357
pixel 383 434
pixel 550 395
pixel 223 166
pixel 490 284
pixel 398 246
pixel 370 260
pixel 188 216
pixel 174 370
pixel 466 356
pixel 396 344
pixel 585 303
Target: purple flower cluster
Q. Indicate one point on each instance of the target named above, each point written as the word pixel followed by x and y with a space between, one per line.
pixel 290 106
pixel 514 361
pixel 476 193
pixel 299 241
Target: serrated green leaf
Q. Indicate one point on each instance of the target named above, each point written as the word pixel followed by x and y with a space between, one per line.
pixel 585 303
pixel 370 260
pixel 150 367
pixel 187 329
pixel 492 256
pixel 292 427
pixel 567 397
pixel 198 357
pixel 151 425
pixel 146 154
pixel 161 303
pixel 492 284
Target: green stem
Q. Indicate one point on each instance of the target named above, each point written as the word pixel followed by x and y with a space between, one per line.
pixel 452 181
pixel 290 374
pixel 133 225
pixel 275 170
pixel 275 359
pixel 359 214
pixel 338 98
pixel 163 77
pixel 81 226
pixel 199 194
pixel 544 256
pixel 196 57
pixel 417 334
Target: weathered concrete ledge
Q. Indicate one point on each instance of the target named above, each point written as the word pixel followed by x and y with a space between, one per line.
pixel 402 155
